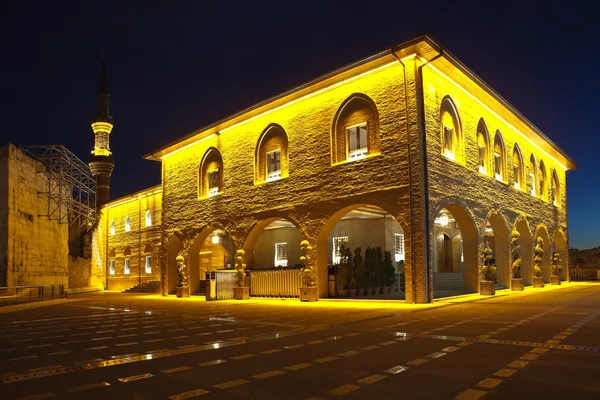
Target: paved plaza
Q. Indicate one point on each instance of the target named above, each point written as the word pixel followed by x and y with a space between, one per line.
pixel 538 344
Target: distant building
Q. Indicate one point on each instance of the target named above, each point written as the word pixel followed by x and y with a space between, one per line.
pixel 407 150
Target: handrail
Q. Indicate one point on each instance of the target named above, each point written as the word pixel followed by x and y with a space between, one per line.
pixel 27 294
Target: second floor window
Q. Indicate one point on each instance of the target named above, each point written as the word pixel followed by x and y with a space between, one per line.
pixel 448 149
pixel 482 159
pixel 148 218
pixel 281 256
pixel 112 228
pixel 127 224
pixel 498 165
pixel 357 141
pixel 213 182
pixel 517 172
pixel 274 165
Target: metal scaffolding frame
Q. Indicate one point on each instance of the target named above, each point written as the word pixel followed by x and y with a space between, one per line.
pixel 71 185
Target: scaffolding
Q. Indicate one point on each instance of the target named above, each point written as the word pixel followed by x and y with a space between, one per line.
pixel 71 185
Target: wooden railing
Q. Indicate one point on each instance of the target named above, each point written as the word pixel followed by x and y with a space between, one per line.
pixel 28 294
pixel 275 282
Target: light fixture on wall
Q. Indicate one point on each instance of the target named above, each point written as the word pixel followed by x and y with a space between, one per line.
pixel 442 220
pixel 215 239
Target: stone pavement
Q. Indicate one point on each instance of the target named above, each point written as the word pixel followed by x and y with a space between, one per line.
pixel 538 344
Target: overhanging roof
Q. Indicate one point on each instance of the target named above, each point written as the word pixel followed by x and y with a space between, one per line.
pixel 423 46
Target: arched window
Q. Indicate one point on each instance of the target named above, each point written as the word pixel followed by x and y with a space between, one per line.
pixel 499 158
pixel 127 261
pixel 148 256
pixel 210 174
pixel 355 131
pixel 533 176
pixel 518 168
pixel 451 134
pixel 483 145
pixel 127 224
pixel 543 182
pixel 271 155
pixel 113 228
pixel 556 200
pixel 148 218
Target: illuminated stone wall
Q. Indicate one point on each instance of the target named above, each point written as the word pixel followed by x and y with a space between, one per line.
pixel 314 190
pixel 405 172
pixel 140 241
pixel 33 249
pixel 460 182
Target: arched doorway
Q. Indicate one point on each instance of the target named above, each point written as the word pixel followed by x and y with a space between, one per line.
pixel 364 226
pixel 272 243
pixel 175 247
pixel 547 247
pixel 560 246
pixel 495 234
pixel 211 250
pixel 526 251
pixel 455 252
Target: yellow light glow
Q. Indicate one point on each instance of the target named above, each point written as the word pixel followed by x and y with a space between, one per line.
pixel 289 103
pixel 98 151
pixel 133 199
pixel 524 136
pixel 102 127
pixel 188 145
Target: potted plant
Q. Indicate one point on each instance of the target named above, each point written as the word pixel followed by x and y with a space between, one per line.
pixel 538 280
pixel 341 273
pixel 241 292
pixel 351 272
pixel 516 281
pixel 359 272
pixel 488 272
pixel 389 270
pixel 183 288
pixel 370 270
pixel 377 271
pixel 556 269
pixel 308 290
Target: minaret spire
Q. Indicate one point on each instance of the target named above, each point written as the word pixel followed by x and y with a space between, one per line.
pixel 102 161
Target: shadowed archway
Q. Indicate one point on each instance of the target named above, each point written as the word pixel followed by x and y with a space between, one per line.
pixel 211 250
pixel 496 234
pixel 462 276
pixel 547 263
pixel 560 246
pixel 526 250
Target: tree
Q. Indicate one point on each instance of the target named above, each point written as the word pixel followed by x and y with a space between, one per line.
pixel 516 257
pixel 556 264
pixel 488 271
pixel 388 269
pixel 538 258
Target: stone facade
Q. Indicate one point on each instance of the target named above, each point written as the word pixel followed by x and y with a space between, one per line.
pixel 407 97
pixel 33 249
pixel 136 244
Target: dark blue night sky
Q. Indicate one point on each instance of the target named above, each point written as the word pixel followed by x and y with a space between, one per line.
pixel 175 68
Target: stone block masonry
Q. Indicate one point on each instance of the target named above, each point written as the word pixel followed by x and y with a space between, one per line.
pixel 33 249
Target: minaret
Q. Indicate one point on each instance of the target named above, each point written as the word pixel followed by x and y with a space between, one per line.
pixel 102 162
